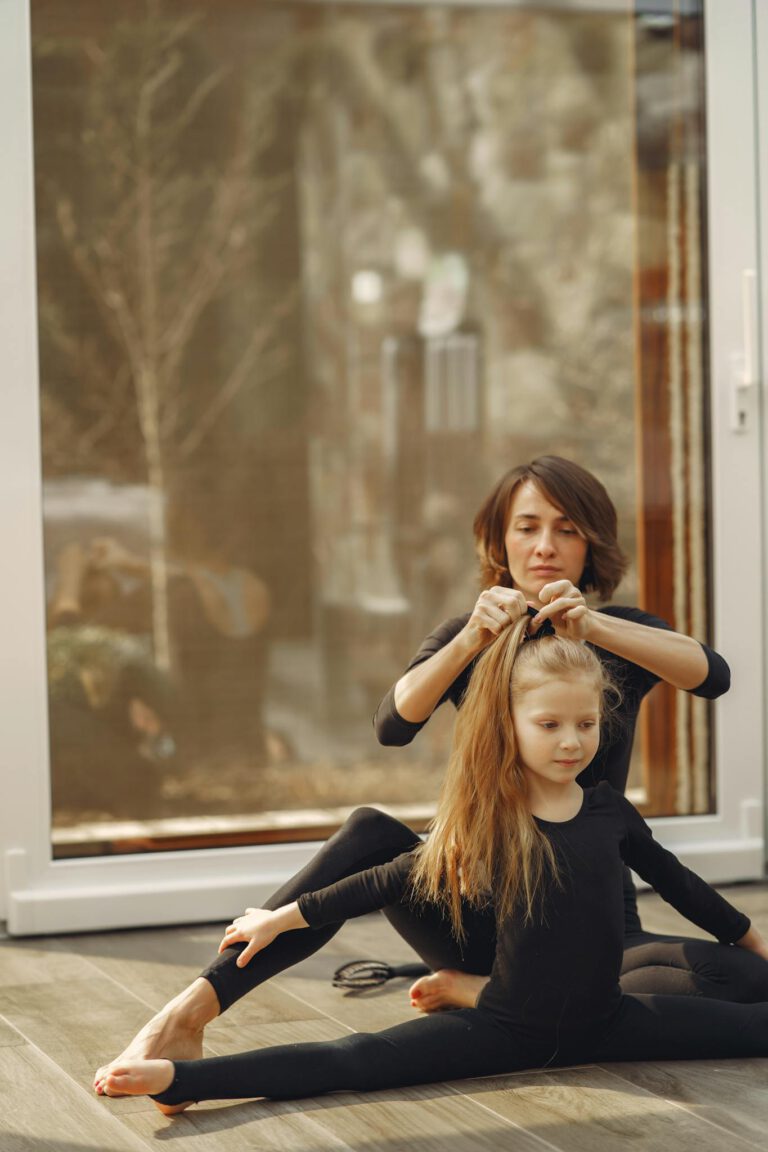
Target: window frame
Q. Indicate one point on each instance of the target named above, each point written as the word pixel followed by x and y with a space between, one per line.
pixel 40 895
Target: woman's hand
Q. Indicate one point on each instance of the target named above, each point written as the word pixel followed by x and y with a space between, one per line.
pixel 754 942
pixel 564 604
pixel 495 610
pixel 257 928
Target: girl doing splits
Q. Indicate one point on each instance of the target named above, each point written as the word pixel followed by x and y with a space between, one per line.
pixel 514 830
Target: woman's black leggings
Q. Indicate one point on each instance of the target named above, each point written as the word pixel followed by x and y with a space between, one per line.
pixel 469 1042
pixel 661 965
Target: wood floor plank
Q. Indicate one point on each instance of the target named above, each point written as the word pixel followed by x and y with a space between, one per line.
pixel 74 1023
pixel 590 1109
pixel 38 962
pixel 44 1109
pixel 9 1036
pixel 430 1118
pixel 233 1033
pixel 367 1012
pixel 270 1127
pixel 147 965
pixel 732 1094
pixel 155 964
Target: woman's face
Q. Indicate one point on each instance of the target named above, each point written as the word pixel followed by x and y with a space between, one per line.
pixel 542 544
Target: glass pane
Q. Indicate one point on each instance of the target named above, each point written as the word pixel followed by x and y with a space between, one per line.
pixel 311 276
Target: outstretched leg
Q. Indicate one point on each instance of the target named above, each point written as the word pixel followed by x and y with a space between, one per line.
pixel 683 966
pixel 455 1045
pixel 448 1047
pixel 368 837
pixel 684 1028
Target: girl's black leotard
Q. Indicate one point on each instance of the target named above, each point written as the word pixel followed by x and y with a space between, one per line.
pixel 553 997
pixel 560 971
pixel 613 756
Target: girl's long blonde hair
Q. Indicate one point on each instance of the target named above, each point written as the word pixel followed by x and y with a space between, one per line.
pixel 484 845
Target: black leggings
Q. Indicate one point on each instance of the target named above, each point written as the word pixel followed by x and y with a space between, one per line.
pixel 469 1042
pixel 661 965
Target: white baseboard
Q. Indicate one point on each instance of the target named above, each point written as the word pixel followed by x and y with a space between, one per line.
pixel 184 888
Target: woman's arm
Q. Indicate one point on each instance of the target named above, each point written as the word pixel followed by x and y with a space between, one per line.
pixel 418 692
pixel 754 942
pixel 673 657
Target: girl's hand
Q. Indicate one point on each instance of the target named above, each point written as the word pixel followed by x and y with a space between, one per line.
pixel 258 927
pixel 565 606
pixel 495 610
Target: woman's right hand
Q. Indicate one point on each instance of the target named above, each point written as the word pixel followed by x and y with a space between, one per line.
pixel 495 610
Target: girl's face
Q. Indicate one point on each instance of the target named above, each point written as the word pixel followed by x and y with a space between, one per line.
pixel 557 726
pixel 542 544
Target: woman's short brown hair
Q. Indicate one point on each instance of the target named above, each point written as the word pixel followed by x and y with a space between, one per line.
pixel 580 496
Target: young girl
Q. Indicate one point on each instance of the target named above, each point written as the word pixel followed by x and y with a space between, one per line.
pixel 513 830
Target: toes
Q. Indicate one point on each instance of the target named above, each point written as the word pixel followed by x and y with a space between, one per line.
pixel 118 1082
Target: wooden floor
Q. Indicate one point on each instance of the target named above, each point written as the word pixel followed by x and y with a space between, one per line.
pixel 68 1003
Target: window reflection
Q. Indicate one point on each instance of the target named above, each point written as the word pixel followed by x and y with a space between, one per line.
pixel 310 277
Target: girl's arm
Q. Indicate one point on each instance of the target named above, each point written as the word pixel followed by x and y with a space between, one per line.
pixel 442 658
pixel 673 657
pixel 678 885
pixel 258 927
pixel 352 896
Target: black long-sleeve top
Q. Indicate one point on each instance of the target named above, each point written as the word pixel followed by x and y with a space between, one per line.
pixel 558 975
pixel 612 760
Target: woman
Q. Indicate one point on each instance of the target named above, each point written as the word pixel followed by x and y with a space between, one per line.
pixel 546 535
pixel 513 821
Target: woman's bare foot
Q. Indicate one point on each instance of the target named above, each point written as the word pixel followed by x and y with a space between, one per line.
pixel 446 988
pixel 141 1078
pixel 175 1033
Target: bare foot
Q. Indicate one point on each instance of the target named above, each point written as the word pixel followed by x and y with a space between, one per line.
pixel 175 1033
pixel 141 1078
pixel 446 988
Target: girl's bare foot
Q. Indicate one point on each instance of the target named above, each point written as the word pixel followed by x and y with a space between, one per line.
pixel 141 1078
pixel 446 988
pixel 175 1033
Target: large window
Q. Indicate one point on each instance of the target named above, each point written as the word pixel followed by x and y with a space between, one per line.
pixel 311 276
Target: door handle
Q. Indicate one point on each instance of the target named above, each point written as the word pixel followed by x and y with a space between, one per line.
pixel 744 374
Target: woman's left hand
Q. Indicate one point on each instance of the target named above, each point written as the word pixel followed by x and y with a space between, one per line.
pixel 258 927
pixel 754 942
pixel 563 604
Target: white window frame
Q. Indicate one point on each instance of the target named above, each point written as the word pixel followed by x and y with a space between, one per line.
pixel 38 894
